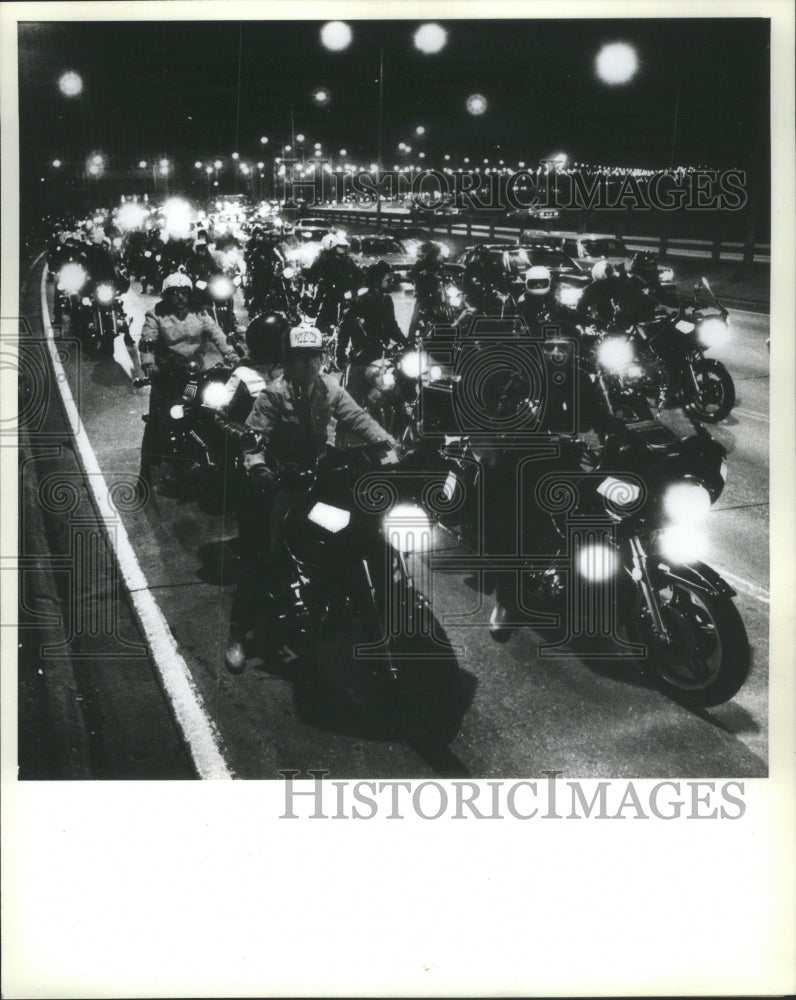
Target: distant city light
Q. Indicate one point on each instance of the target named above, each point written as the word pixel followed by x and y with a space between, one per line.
pixel 264 139
pixel 616 63
pixel 420 130
pixel 56 163
pixel 430 38
pixel 70 84
pixel 236 156
pixel 476 104
pixel 336 35
pixel 198 164
pixel 300 137
pixel 218 164
pixel 142 164
pixel 321 96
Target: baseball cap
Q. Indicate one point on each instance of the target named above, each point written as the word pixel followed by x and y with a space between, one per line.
pixel 305 338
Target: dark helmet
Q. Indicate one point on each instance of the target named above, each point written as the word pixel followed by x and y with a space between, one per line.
pixel 481 253
pixel 264 337
pixel 428 251
pixel 376 273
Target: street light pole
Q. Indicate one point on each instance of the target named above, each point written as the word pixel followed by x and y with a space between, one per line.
pixel 381 134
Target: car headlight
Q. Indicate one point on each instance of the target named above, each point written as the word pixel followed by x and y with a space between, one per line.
pixel 683 543
pixel 597 562
pixel 686 503
pixel 71 278
pixel 105 294
pixel 413 363
pixel 331 518
pixel 713 332
pixel 615 354
pixel 215 395
pixel 569 295
pixel 408 528
pixel 177 412
pixel 221 287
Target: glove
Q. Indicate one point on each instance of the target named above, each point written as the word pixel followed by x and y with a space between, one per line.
pixel 262 478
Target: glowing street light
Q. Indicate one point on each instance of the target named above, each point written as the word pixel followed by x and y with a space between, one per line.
pixel 264 140
pixel 476 104
pixel 217 165
pixel 198 164
pixel 236 156
pixel 344 152
pixel 321 96
pixel 420 130
pixel 300 137
pixel 56 164
pixel 70 84
pixel 430 38
pixel 616 63
pixel 142 164
pixel 336 36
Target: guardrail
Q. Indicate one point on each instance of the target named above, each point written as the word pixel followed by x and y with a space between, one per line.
pixel 666 246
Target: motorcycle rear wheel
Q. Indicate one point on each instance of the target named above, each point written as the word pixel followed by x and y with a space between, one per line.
pixel 707 661
pixel 716 392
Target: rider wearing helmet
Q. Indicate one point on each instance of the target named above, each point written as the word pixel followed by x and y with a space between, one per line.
pixel 535 305
pixel 290 419
pixel 484 280
pixel 336 278
pixel 426 275
pixel 172 337
pixel 368 325
pixel 615 298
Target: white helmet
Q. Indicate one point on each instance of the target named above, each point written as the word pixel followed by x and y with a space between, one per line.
pixel 97 235
pixel 601 270
pixel 329 241
pixel 537 280
pixel 341 241
pixel 176 280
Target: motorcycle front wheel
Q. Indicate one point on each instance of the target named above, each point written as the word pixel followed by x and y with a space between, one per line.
pixel 716 396
pixel 707 660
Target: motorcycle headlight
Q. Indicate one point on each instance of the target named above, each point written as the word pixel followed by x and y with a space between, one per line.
pixel 683 543
pixel 408 528
pixel 214 395
pixel 333 519
pixel 569 295
pixel 388 380
pixel 221 287
pixel 597 562
pixel 665 274
pixel 288 273
pixel 177 412
pixel 71 278
pixel 615 354
pixel 454 296
pixel 413 363
pixel 105 294
pixel 713 332
pixel 634 371
pixel 686 503
pixel 434 373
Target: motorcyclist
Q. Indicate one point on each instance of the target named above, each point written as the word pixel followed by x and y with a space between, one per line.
pixel 336 278
pixel 172 337
pixel 290 419
pixel 368 327
pixel 615 298
pixel 426 275
pixel 264 339
pixel 264 265
pixel 484 281
pixel 100 263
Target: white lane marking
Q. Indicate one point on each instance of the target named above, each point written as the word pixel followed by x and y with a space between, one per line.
pixel 752 414
pixel 197 727
pixel 745 586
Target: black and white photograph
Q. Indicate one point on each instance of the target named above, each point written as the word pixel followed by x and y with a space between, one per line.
pixel 393 420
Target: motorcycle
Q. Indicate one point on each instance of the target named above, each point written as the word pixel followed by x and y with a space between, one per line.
pixel 672 366
pixel 102 318
pixel 216 294
pixel 626 548
pixel 70 281
pixel 209 468
pixel 271 287
pixel 339 597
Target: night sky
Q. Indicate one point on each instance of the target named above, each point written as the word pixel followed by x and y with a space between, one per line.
pixel 201 89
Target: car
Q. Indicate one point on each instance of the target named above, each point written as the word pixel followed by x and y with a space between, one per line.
pixel 568 276
pixel 589 248
pixel 308 229
pixel 372 247
pixel 533 213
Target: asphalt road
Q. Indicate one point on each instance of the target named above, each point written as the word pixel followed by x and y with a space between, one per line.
pixel 526 715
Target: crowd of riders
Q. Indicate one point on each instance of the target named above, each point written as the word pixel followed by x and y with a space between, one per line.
pixel 306 326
